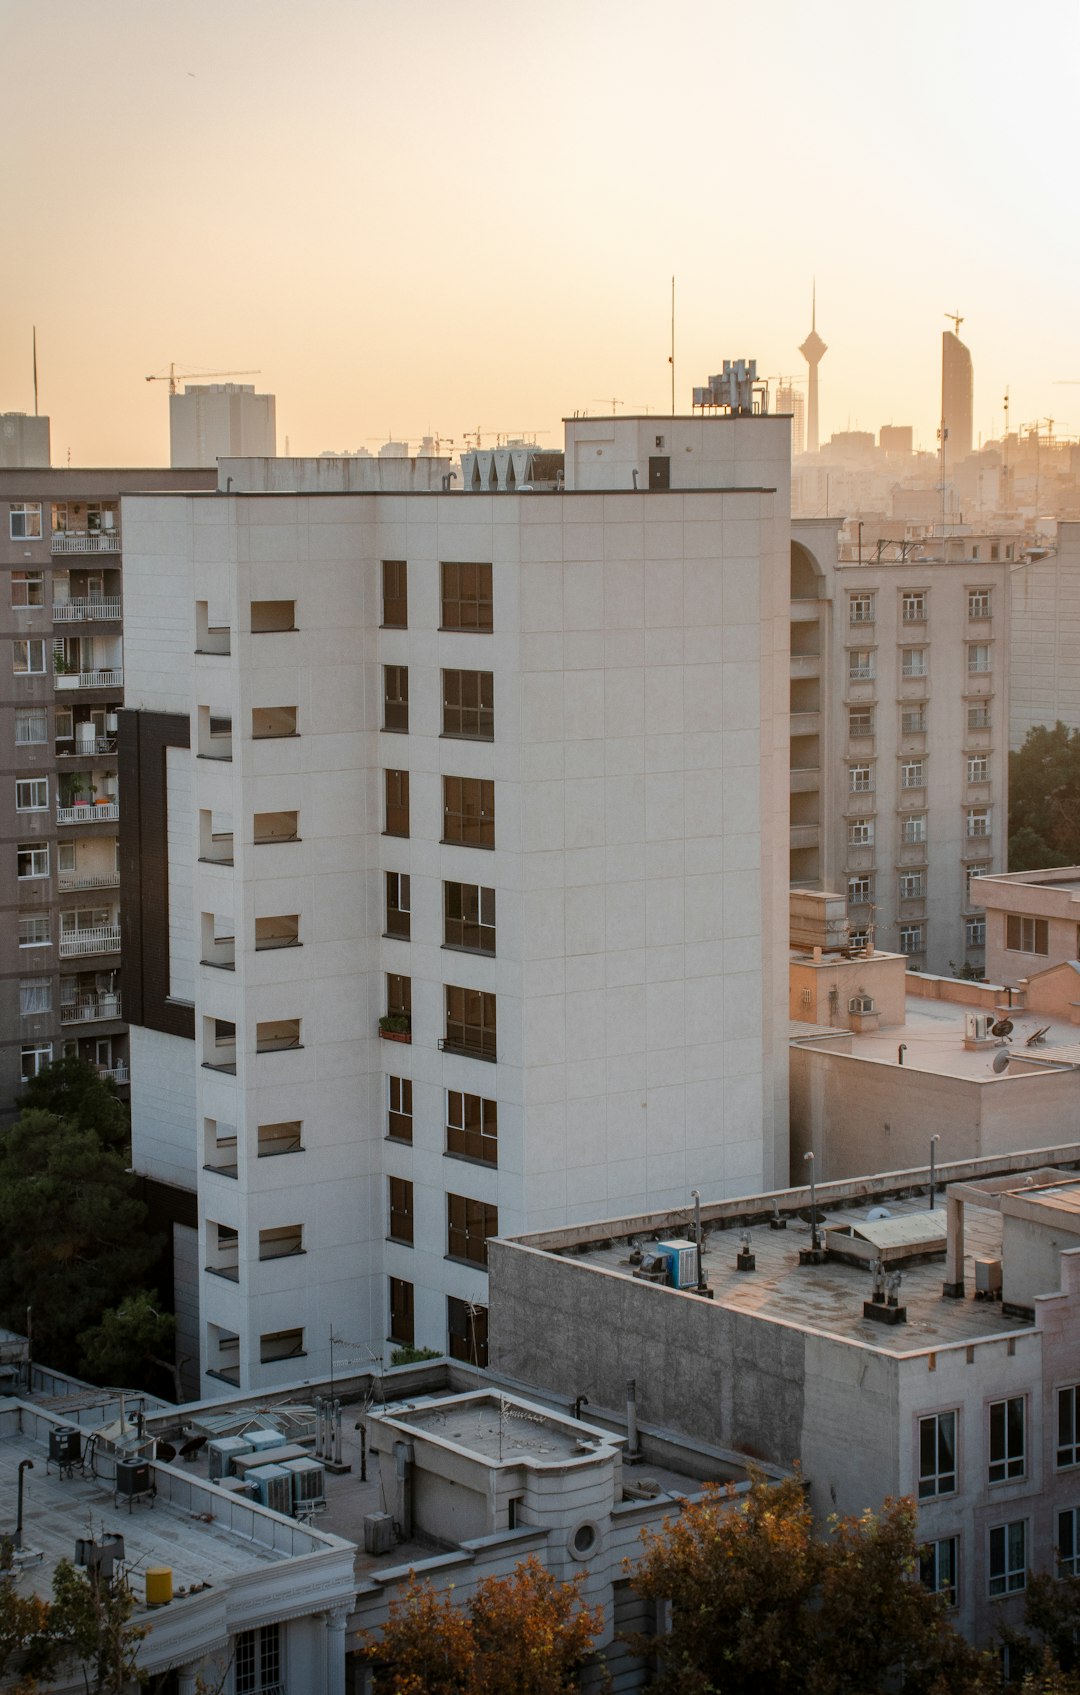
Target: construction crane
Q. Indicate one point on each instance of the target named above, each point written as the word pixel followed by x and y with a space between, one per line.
pixel 172 376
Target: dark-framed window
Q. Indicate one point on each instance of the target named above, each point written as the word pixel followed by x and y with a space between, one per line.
pixel 397 803
pixel 395 594
pixel 467 1331
pixel 472 1127
pixel 469 1223
pixel 469 705
pixel 402 1313
pixel 469 811
pixel 401 1210
pixel 1007 1446
pixel 399 1109
pixel 937 1455
pixel 469 917
pixel 466 596
pixel 398 905
pixel 470 1022
pixel 395 697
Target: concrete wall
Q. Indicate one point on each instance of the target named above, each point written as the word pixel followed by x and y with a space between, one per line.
pixel 862 1115
pixel 832 983
pixel 1053 895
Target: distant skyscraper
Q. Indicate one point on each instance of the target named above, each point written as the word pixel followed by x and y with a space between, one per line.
pixel 212 421
pixel 790 399
pixel 956 394
pixel 24 441
pixel 813 351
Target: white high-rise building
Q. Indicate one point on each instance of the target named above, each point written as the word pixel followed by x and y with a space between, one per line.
pixel 462 869
pixel 212 421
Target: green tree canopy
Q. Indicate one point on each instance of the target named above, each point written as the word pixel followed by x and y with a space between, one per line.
pixel 758 1603
pixel 71 1088
pixel 132 1343
pixel 1044 799
pixel 73 1226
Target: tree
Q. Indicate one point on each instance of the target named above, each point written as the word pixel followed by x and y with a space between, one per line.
pixel 526 1634
pixel 73 1229
pixel 1052 1611
pixel 1044 799
pixel 132 1340
pixel 758 1603
pixel 71 1088
pixel 91 1624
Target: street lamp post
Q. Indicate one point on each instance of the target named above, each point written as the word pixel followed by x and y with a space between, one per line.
pixel 815 1241
pixel 934 1140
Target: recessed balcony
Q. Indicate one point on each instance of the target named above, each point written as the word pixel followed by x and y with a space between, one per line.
pixel 98 938
pixel 113 678
pixel 86 610
pixel 91 1008
pixel 84 541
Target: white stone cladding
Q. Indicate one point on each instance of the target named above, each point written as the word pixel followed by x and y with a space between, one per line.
pixel 640 763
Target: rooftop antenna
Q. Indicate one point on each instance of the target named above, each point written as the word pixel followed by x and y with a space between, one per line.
pixel 35 373
pixel 955 318
pixel 671 357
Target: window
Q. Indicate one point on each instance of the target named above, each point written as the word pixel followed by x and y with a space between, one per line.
pixel 31 794
pixel 1068 1543
pixel 912 885
pixel 859 890
pixel 35 1059
pixel 1068 1436
pixel 978 717
pixel 860 723
pixel 1008 1558
pixel 913 606
pixel 65 856
pixel 469 811
pixel 32 859
pixel 937 1455
pixel 398 921
pixel 860 779
pixel 469 920
pixel 35 931
pixel 469 1223
pixel 978 821
pixel 468 704
pixel 395 594
pixel 913 721
pixel 861 833
pixel 938 1568
pixel 398 996
pixel 467 1331
pixel 470 1022
pixel 978 770
pixel 995 550
pixel 31 726
pixel 35 995
pixel 911 938
pixel 402 1316
pixel 859 938
pixel 978 657
pixel 397 803
pixel 861 664
pixel 472 1127
pixel 975 552
pixel 1026 935
pixel 270 617
pixel 399 1109
pixel 912 774
pixel 861 609
pixel 1007 1439
pixel 395 697
pixel 401 1211
pixel 975 932
pixel 466 597
pixel 979 599
pixel 1009 550
pixel 29 658
pixel 258 1660
pixel 914 829
pixel 971 874
pixel 27 588
pixel 913 662
pixel 26 520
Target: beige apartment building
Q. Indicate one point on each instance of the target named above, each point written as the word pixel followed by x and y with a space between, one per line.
pixel 1044 663
pixel 61 553
pixel 899 735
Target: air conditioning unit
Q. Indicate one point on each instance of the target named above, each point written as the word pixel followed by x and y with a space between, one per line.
pixel 308 1483
pixel 977 1026
pixel 987 1279
pixel 112 723
pixel 682 1261
pixel 221 1453
pixel 65 1447
pixel 273 1486
pixel 378 1533
pixel 133 1477
pixel 861 1003
pixel 264 1441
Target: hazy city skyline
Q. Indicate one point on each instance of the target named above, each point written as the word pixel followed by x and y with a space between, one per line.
pixel 413 220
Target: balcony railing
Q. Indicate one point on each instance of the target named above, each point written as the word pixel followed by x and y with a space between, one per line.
pixel 70 880
pixel 102 938
pixel 89 1009
pixel 86 745
pixel 89 812
pixel 115 1073
pixel 82 541
pixel 82 611
pixel 113 679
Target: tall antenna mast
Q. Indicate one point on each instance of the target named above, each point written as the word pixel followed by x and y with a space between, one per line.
pixel 35 373
pixel 671 360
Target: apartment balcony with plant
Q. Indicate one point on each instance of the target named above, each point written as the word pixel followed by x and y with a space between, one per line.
pixel 88 662
pixel 85 527
pixel 89 930
pixel 82 596
pixel 88 797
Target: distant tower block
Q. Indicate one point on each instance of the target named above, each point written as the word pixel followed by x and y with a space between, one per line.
pixel 790 399
pixel 813 351
pixel 956 394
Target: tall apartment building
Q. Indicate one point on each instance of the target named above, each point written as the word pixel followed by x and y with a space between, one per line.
pixel 62 559
pixel 899 735
pixel 1044 664
pixel 957 398
pixel 212 421
pixel 24 440
pixel 461 852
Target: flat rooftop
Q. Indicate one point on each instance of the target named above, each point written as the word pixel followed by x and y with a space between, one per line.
pixel 829 1298
pixel 933 1038
pixel 504 1429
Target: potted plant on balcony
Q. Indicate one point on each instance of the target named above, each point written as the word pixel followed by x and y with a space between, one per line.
pixel 395 1027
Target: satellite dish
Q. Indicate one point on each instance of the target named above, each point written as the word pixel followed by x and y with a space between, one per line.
pixel 876 1213
pixel 1003 1027
pixel 1001 1060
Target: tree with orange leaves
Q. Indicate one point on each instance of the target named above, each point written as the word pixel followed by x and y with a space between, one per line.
pixel 526 1634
